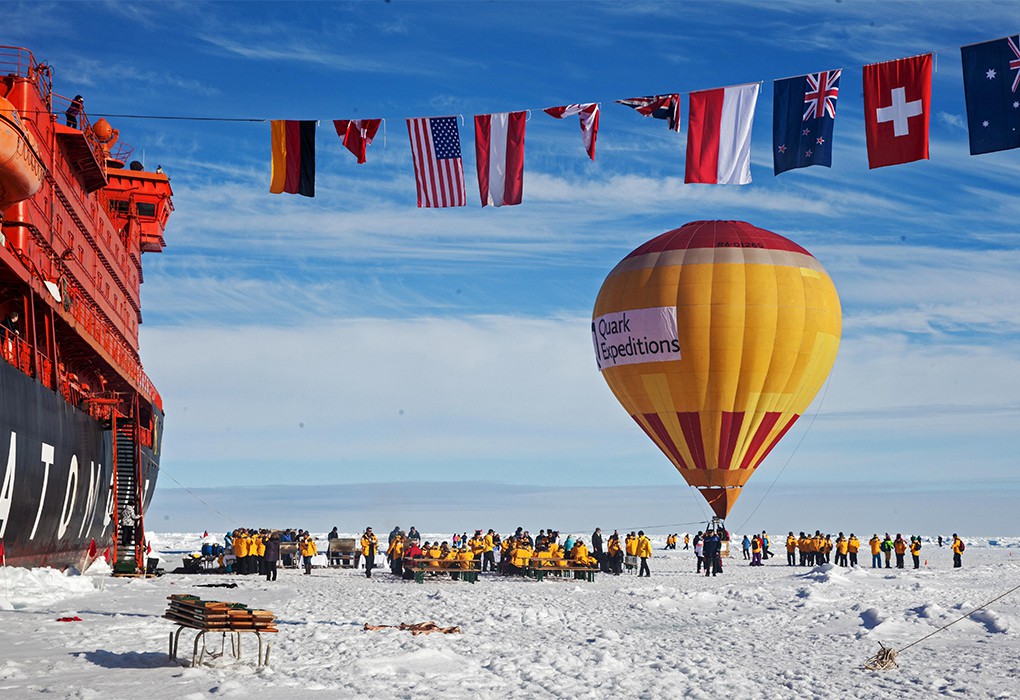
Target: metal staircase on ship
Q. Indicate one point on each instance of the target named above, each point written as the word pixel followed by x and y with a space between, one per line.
pixel 129 535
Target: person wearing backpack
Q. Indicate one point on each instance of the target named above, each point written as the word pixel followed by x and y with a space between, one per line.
pixel 887 548
pixel 957 548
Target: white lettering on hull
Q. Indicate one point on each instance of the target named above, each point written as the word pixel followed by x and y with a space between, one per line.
pixel 47 460
pixel 92 499
pixel 70 496
pixel 7 492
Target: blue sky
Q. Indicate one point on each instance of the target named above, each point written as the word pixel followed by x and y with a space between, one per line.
pixel 353 338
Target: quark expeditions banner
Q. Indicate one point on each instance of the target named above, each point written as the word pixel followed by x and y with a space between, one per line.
pixel 636 335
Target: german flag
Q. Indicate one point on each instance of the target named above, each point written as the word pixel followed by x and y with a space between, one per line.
pixel 293 157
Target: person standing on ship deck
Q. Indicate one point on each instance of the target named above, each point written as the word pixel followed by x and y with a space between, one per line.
pixel 74 111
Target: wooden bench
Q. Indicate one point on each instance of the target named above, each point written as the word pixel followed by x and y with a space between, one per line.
pixel 424 565
pixel 538 567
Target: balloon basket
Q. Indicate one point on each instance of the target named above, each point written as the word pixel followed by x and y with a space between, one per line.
pixel 719 525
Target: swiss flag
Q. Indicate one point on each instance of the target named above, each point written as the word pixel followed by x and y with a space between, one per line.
pixel 897 110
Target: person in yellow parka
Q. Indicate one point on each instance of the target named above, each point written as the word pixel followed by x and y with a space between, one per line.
pixel 643 550
pixel 369 545
pixel 915 550
pixel 791 549
pixel 259 542
pixel 580 555
pixel 488 558
pixel 308 550
pixel 520 558
pixel 615 554
pixel 395 552
pixel 241 551
pixel 876 551
pixel 853 545
pixel 957 548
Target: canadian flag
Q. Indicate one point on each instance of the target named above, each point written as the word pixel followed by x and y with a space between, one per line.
pixel 499 157
pixel 719 135
pixel 897 102
pixel 357 134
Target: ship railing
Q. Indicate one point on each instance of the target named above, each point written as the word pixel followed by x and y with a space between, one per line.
pixel 118 350
pixel 15 60
pixel 16 351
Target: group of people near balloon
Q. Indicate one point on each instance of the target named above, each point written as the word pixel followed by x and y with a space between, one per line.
pixel 518 553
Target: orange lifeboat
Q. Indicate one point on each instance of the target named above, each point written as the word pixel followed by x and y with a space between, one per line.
pixel 21 172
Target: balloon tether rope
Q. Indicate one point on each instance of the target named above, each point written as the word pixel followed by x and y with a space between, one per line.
pixel 814 416
pixel 886 656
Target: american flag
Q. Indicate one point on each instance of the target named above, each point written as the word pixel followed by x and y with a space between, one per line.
pixel 820 96
pixel 438 167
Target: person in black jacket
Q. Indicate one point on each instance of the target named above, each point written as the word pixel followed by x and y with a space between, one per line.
pixel 74 111
pixel 596 548
pixel 272 555
pixel 712 551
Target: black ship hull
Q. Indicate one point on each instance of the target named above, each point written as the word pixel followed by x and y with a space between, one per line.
pixel 56 476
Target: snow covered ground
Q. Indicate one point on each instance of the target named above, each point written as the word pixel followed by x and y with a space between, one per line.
pixel 763 632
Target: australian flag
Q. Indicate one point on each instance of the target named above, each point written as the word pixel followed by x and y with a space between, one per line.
pixel 991 85
pixel 803 114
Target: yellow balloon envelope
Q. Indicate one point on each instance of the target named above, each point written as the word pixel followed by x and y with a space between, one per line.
pixel 715 337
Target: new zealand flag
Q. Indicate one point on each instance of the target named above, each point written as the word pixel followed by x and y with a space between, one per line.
pixel 803 114
pixel 991 84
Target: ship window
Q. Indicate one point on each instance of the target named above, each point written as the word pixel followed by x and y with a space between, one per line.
pixel 119 205
pixel 146 209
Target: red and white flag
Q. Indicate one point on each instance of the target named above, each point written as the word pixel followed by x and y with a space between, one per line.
pixel 719 135
pixel 357 134
pixel 438 166
pixel 499 155
pixel 588 114
pixel 897 110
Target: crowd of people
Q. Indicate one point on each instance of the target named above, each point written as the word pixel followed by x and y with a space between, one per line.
pixel 517 553
pixel 259 551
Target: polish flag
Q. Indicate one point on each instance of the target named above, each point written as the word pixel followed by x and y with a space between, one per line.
pixel 897 101
pixel 719 135
pixel 499 156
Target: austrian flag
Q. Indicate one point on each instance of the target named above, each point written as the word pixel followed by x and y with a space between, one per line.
pixel 897 110
pixel 499 156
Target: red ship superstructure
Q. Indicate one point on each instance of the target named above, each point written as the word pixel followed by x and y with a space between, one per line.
pixel 76 217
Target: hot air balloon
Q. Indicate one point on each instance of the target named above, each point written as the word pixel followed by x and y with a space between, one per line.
pixel 715 337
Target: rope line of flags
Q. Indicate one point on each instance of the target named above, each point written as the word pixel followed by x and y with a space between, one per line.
pixel 897 110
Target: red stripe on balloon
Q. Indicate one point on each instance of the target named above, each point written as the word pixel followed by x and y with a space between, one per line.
pixel 729 430
pixel 690 424
pixel 717 234
pixel 658 431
